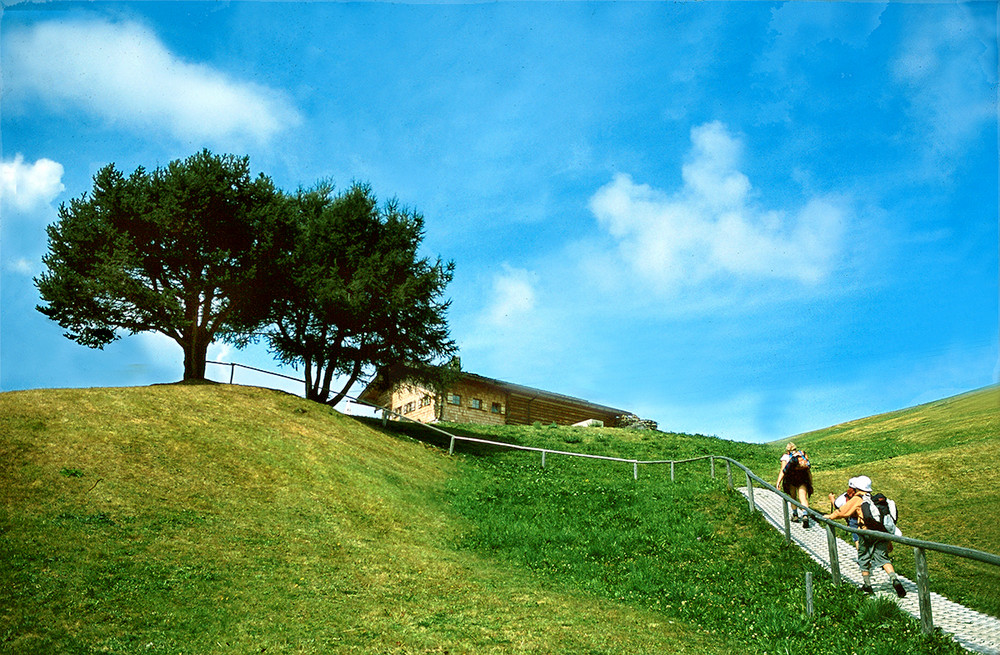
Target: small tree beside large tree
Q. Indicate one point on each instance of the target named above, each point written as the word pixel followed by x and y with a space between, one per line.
pixel 357 298
pixel 187 250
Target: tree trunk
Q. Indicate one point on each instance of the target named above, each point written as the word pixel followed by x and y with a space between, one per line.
pixel 194 360
pixel 196 340
pixel 355 373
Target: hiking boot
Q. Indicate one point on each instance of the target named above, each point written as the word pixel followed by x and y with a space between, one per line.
pixel 795 518
pixel 805 523
pixel 867 589
pixel 898 586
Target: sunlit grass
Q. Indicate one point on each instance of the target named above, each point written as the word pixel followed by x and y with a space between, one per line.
pixel 211 519
pixel 688 548
pixel 218 519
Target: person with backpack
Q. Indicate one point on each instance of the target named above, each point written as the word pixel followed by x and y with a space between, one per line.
pixel 874 515
pixel 795 479
pixel 840 501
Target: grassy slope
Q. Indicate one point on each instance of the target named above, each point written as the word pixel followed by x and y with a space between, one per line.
pixel 197 519
pixel 683 546
pixel 225 519
pixel 941 463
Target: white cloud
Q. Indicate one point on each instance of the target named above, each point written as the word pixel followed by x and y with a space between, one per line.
pixel 513 297
pixel 21 266
pixel 519 323
pixel 159 348
pixel 123 73
pixel 26 186
pixel 219 352
pixel 948 64
pixel 713 227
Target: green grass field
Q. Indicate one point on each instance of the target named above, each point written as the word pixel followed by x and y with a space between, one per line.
pixel 218 519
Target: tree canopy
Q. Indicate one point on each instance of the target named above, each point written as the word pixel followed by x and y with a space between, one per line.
pixel 200 251
pixel 357 299
pixel 186 250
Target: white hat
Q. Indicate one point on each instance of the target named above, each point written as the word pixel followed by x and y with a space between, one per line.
pixel 852 483
pixel 862 483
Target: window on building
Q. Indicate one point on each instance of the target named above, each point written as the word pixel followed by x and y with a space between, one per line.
pixel 407 408
pixel 496 408
pixel 425 401
pixel 476 403
pixel 454 399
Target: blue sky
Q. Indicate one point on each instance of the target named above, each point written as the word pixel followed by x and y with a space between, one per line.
pixel 744 219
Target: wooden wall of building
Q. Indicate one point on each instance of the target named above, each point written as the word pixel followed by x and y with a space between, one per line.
pixel 525 410
pixel 491 410
pixel 487 404
pixel 414 402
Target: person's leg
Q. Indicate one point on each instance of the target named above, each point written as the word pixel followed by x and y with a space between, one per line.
pixel 896 584
pixel 804 499
pixel 865 553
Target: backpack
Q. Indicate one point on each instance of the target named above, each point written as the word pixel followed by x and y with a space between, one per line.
pixel 875 508
pixel 798 459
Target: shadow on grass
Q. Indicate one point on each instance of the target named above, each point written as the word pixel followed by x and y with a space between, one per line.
pixel 428 435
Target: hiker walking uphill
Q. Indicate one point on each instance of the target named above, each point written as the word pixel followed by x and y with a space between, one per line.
pixel 795 479
pixel 873 515
pixel 840 501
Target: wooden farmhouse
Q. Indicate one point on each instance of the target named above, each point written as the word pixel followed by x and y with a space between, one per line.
pixel 477 399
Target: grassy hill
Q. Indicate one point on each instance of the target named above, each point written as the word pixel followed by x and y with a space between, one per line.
pixel 941 463
pixel 219 519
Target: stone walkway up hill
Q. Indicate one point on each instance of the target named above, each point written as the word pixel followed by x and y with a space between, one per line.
pixel 977 632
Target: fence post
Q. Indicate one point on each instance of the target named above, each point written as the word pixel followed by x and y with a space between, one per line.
pixel 543 459
pixel 923 591
pixel 831 541
pixel 232 371
pixel 711 466
pixel 788 524
pixel 809 592
pixel 671 471
pixel 451 447
pixel 753 505
pixel 635 470
pixel 729 475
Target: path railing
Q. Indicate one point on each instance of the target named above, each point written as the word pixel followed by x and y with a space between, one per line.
pixel 920 547
pixel 233 366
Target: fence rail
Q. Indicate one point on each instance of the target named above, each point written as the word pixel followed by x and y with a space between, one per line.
pixel 920 547
pixel 233 366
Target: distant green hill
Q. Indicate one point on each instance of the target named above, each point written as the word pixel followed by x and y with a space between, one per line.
pixel 222 519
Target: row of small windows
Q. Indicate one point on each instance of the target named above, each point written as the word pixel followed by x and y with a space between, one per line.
pixel 475 403
pixel 410 406
pixel 453 399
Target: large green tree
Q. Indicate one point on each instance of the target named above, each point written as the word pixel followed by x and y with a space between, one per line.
pixel 186 250
pixel 357 298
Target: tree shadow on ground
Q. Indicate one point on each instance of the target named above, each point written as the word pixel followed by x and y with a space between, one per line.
pixel 432 436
